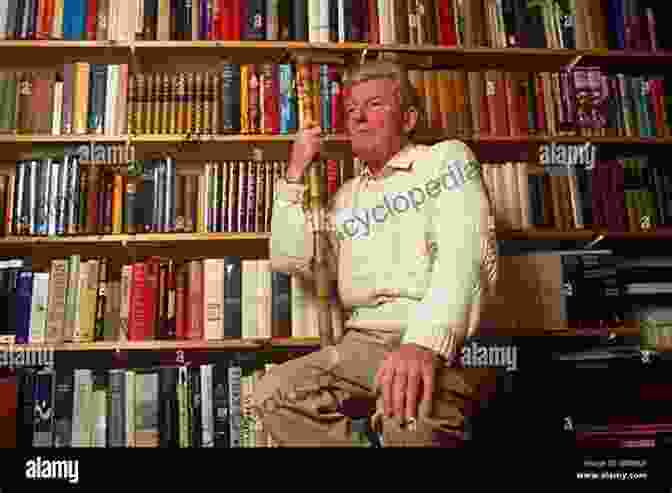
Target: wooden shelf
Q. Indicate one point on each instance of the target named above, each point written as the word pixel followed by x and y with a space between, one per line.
pixel 48 55
pixel 169 143
pixel 210 55
pixel 150 56
pixel 166 239
pixel 223 345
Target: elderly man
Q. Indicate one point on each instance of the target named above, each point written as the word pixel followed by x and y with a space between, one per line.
pixel 412 248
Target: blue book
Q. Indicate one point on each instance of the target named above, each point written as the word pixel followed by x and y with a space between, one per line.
pixel 287 99
pixel 325 99
pixel 24 296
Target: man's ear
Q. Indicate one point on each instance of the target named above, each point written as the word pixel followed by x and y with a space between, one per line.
pixel 411 119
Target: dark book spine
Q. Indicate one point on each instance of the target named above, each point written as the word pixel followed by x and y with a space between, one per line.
pixel 186 17
pixel 63 396
pixel 25 410
pixel 232 298
pixel 6 330
pixel 116 410
pixel 168 408
pixel 196 428
pixel 24 292
pixel 235 406
pixel 281 304
pixel 43 435
pixel 220 402
pixel 300 20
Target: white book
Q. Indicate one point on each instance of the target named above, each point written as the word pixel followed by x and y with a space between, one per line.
pixel 207 422
pixel 54 187
pixel 4 11
pixel 57 115
pixel 324 21
pixel 249 299
pixel 39 303
pixel 130 408
pixel 100 416
pixel 109 101
pixel 264 322
pixel 341 21
pixel 213 308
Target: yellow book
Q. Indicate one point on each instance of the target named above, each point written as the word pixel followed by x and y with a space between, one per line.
pixel 81 97
pixel 244 99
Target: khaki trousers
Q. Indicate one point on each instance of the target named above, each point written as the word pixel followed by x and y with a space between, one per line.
pixel 300 401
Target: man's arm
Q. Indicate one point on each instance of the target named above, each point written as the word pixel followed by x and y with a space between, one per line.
pixel 292 243
pixel 460 217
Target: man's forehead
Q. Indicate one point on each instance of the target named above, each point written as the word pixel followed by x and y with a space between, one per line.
pixel 373 87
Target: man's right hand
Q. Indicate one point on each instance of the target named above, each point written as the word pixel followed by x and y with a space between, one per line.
pixel 305 150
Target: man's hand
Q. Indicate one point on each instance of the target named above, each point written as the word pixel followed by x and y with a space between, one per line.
pixel 404 374
pixel 306 148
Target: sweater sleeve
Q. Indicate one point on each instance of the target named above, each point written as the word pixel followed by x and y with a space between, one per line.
pixel 292 242
pixel 459 214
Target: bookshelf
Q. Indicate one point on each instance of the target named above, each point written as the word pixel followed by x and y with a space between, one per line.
pixel 146 56
pixel 150 56
pixel 192 150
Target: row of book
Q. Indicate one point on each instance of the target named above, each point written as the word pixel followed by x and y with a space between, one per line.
pixel 81 98
pixel 627 194
pixel 70 20
pixel 201 406
pixel 583 101
pixel 281 98
pixel 618 24
pixel 78 299
pixel 57 197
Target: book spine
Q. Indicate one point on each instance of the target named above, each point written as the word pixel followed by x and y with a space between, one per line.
pixel 235 404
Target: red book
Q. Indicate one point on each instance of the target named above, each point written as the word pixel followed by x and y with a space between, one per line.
pixel 541 108
pixel 181 301
pixel 45 16
pixel 237 18
pixel 92 19
pixel 152 268
pixel 194 325
pixel 137 312
pixel 447 34
pixel 226 20
pixel 374 27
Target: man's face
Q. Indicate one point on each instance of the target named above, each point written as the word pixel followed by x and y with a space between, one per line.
pixel 374 119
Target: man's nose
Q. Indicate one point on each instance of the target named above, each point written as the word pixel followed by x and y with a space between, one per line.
pixel 358 115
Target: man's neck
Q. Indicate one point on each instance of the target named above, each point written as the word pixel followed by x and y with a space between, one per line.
pixel 376 167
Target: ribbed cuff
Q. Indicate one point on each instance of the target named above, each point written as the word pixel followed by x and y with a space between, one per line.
pixel 289 192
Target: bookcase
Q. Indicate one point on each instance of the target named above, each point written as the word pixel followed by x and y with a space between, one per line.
pixel 468 43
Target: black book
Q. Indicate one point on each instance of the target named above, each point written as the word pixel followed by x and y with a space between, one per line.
pixel 220 403
pixel 232 297
pixel 168 408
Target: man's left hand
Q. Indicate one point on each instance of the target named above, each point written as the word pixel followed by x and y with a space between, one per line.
pixel 404 373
